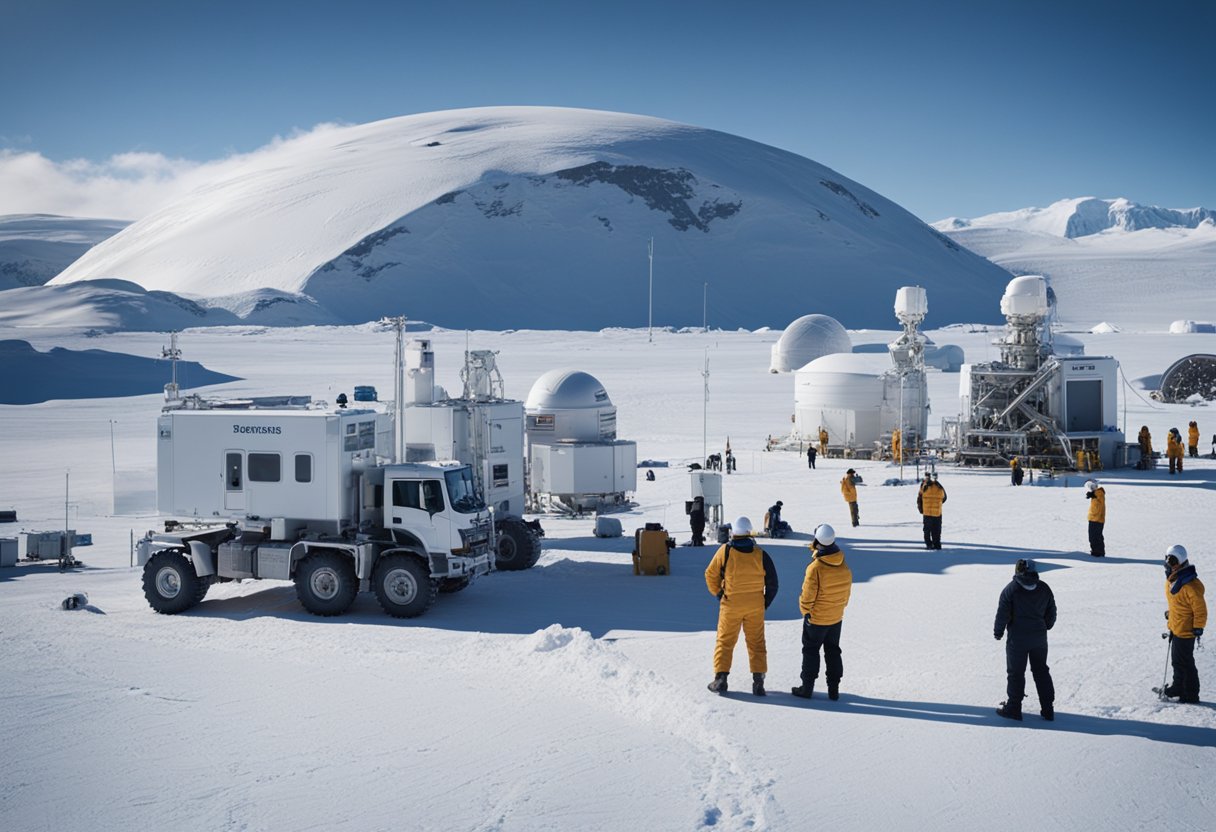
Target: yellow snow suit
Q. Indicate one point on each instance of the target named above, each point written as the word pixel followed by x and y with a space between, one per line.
pixel 826 587
pixel 1192 437
pixel 932 496
pixel 1097 506
pixel 740 587
pixel 1187 609
pixel 823 441
pixel 895 444
pixel 848 489
pixel 1173 447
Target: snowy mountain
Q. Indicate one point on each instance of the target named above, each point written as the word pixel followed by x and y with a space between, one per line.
pixel 1114 260
pixel 532 217
pixel 36 247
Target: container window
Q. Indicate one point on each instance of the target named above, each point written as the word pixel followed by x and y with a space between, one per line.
pixel 265 467
pixel 232 472
pixel 303 467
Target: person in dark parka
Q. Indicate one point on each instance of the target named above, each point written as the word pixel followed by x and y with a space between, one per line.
pixel 696 519
pixel 811 453
pixel 1027 609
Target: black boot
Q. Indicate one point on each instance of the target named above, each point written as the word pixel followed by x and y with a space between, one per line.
pixel 833 691
pixel 1048 712
pixel 758 684
pixel 803 691
pixel 1010 711
pixel 718 685
pixel 1172 691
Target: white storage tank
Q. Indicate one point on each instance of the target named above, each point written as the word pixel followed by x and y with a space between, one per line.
pixel 857 398
pixel 808 338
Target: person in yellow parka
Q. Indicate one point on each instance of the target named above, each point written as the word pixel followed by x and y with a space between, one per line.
pixel 1096 495
pixel 929 501
pixel 895 445
pixel 1192 439
pixel 848 488
pixel 1145 440
pixel 1187 616
pixel 1016 473
pixel 1173 449
pixel 823 440
pixel 825 593
pixel 743 578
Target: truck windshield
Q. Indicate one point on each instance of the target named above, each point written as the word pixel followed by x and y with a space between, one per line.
pixel 462 492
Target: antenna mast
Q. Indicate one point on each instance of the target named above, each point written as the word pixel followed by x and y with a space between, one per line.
pixel 398 389
pixel 650 303
pixel 174 355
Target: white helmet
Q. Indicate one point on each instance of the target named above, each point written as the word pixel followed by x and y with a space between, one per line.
pixel 1091 486
pixel 742 527
pixel 825 534
pixel 1176 552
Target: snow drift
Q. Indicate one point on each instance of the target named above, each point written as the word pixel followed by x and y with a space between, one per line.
pixel 534 217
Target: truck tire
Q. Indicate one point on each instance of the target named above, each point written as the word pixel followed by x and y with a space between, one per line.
pixel 518 545
pixel 170 583
pixel 403 586
pixel 326 583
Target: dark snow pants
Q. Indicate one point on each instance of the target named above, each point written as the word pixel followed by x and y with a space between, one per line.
pixel 1186 675
pixel 854 513
pixel 933 532
pixel 827 638
pixel 1019 648
pixel 1097 543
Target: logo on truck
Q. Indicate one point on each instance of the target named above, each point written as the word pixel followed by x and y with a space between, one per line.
pixel 256 429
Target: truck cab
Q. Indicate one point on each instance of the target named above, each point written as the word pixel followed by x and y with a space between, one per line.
pixel 436 506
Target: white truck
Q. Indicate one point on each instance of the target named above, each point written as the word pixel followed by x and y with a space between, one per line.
pixel 285 490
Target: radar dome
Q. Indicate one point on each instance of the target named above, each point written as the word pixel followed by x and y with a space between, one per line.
pixel 808 338
pixel 569 406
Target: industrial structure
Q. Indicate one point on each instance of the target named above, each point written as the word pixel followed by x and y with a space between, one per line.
pixel 1033 403
pixel 575 461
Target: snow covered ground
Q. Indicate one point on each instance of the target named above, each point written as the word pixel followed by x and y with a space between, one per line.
pixel 572 696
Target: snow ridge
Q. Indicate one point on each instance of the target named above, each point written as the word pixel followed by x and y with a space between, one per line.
pixel 1085 216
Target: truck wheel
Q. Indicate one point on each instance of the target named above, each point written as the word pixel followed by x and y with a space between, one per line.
pixel 518 545
pixel 326 583
pixel 403 586
pixel 170 583
pixel 450 585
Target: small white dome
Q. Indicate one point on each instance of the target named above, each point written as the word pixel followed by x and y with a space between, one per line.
pixel 566 390
pixel 808 338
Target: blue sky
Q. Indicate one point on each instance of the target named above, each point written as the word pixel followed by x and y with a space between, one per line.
pixel 949 108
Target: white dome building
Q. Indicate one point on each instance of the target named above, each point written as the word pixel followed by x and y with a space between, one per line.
pixel 575 461
pixel 808 338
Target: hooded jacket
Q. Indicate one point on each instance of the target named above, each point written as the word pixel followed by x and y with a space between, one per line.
pixel 1192 435
pixel 1027 607
pixel 1097 506
pixel 741 571
pixel 1184 595
pixel 826 587
pixel 1173 444
pixel 930 498
pixel 848 489
pixel 1145 441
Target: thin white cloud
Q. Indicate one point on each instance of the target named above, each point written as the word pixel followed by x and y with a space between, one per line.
pixel 125 186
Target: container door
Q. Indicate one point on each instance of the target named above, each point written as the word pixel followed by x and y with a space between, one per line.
pixel 408 511
pixel 234 480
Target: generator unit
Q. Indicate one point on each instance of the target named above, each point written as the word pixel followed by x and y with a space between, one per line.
pixel 652 550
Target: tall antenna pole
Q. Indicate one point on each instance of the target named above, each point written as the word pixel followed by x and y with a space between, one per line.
pixel 173 354
pixel 399 390
pixel 705 307
pixel 650 304
pixel 705 409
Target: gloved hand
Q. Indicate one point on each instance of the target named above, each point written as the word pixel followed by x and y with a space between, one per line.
pixel 997 635
pixel 806 619
pixel 1167 615
pixel 1198 631
pixel 1089 495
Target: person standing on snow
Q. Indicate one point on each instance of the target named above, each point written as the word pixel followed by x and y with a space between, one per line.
pixel 929 500
pixel 848 488
pixel 896 449
pixel 1015 471
pixel 1027 609
pixel 1173 449
pixel 696 519
pixel 742 577
pixel 1187 616
pixel 1192 439
pixel 810 456
pixel 1145 441
pixel 823 440
pixel 1096 495
pixel 825 593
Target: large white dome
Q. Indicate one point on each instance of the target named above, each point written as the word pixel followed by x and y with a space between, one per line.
pixel 566 390
pixel 808 338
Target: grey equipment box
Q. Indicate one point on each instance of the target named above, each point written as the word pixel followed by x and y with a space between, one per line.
pixel 8 551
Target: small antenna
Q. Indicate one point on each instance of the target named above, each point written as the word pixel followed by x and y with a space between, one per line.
pixel 172 391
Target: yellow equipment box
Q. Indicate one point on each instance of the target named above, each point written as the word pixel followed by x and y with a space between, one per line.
pixel 652 550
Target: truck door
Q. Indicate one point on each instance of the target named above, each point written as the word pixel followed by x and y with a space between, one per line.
pixel 234 480
pixel 418 507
